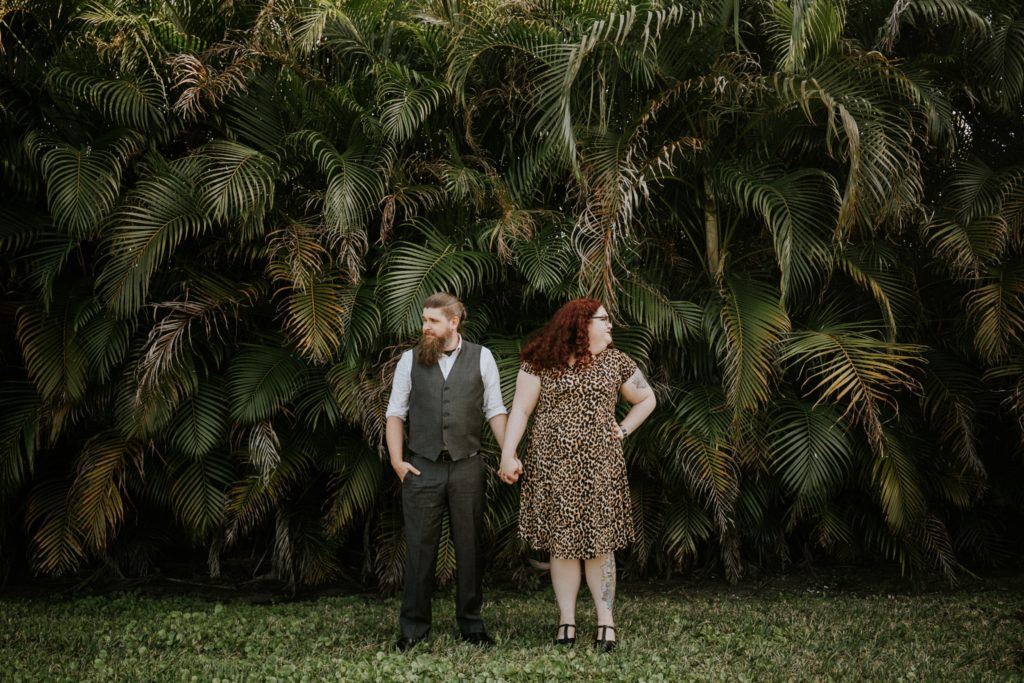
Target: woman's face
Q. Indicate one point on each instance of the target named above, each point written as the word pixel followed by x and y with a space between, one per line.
pixel 600 330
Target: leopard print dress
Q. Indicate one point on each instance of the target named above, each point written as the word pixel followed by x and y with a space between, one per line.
pixel 575 499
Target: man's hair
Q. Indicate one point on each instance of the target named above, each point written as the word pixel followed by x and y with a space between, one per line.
pixel 448 303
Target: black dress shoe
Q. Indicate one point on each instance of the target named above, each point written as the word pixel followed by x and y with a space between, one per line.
pixel 404 643
pixel 478 638
pixel 562 636
pixel 601 641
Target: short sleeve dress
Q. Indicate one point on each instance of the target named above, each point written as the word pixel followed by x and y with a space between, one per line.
pixel 575 499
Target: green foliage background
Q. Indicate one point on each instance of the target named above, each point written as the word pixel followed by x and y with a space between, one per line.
pixel 219 221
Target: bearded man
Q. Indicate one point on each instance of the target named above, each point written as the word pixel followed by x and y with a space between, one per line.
pixel 444 389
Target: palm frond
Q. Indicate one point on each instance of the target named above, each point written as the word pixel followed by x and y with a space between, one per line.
pixel 1001 59
pixel 967 247
pixel 51 250
pixel 406 98
pixel 345 382
pixel 974 189
pixel 896 476
pixel 20 432
pixel 261 380
pixel 158 216
pixel 252 116
pixel 355 489
pixel 200 423
pixel 264 449
pixel 754 323
pixel 845 363
pixel 937 542
pixel 316 556
pixel 316 405
pixel 251 499
pixel 97 495
pixel 137 102
pixel 865 100
pixel 635 341
pixel 648 505
pixel 832 529
pixel 799 208
pixel 546 261
pixel 875 266
pixel 354 187
pixel 58 546
pixel 501 515
pixel 137 41
pixel 1013 371
pixel 805 31
pixel 199 492
pixel 686 525
pixel 931 13
pixel 82 183
pixel 698 439
pixel 950 389
pixel 652 309
pixel 238 183
pixel 810 450
pixel 105 343
pixel 444 571
pixel 389 548
pixel 57 363
pixel 315 317
pixel 208 305
pixel 996 305
pixel 411 272
pixel 144 411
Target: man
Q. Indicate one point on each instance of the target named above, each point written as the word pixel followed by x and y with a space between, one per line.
pixel 444 388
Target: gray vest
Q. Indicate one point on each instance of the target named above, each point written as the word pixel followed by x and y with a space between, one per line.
pixel 447 414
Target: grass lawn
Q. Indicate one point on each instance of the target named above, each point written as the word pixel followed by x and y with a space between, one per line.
pixel 779 631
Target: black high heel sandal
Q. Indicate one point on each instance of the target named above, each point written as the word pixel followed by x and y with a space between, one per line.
pixel 601 641
pixel 565 640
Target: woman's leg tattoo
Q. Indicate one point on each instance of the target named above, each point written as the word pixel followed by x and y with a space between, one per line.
pixel 608 581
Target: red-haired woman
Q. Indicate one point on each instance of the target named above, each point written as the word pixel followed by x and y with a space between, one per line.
pixel 575 500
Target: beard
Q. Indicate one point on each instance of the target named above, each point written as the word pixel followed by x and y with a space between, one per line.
pixel 429 348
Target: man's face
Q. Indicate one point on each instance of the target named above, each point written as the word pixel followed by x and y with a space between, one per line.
pixel 439 326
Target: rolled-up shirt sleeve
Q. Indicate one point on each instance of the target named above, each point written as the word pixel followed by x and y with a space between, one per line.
pixel 493 402
pixel 401 387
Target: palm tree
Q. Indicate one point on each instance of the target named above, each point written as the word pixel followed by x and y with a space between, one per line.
pixel 805 217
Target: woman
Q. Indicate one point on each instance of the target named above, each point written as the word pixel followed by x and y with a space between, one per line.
pixel 575 500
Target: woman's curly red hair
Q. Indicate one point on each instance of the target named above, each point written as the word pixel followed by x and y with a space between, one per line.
pixel 566 334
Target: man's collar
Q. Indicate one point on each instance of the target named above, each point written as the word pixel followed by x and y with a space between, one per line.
pixel 458 347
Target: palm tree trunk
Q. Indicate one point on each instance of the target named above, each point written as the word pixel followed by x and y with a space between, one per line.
pixel 714 254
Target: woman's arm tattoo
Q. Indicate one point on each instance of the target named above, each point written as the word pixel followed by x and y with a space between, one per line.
pixel 638 380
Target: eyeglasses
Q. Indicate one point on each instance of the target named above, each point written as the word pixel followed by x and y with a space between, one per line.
pixel 602 318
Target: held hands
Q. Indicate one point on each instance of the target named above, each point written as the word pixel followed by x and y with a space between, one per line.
pixel 403 468
pixel 510 470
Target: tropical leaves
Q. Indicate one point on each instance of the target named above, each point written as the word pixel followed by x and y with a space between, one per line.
pixel 810 450
pixel 222 223
pixel 754 323
pixel 155 219
pixel 83 182
pixel 261 380
pixel 845 364
pixel 414 271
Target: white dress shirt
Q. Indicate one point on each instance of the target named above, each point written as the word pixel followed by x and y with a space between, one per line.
pixel 401 386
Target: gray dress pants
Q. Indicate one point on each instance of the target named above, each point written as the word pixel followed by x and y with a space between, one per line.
pixel 458 486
